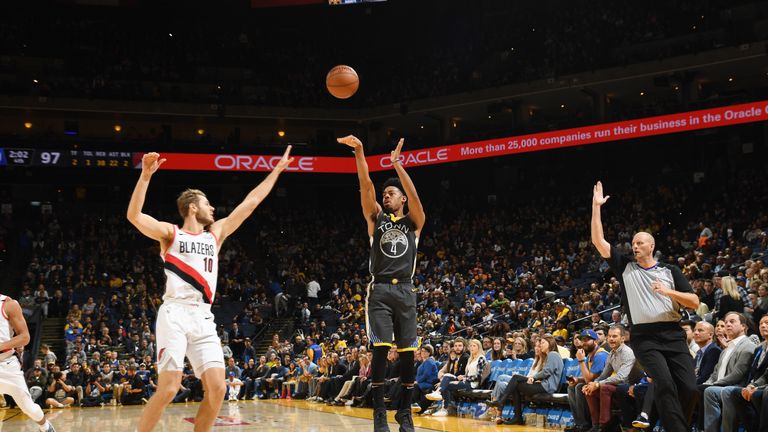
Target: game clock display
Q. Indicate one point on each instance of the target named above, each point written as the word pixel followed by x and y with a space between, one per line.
pixel 65 158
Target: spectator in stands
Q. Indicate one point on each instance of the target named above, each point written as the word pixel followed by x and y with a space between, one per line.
pixel 731 369
pixel 620 368
pixel 48 355
pixel 59 391
pixel 592 359
pixel 708 353
pixel 470 378
pixel 426 377
pixel 736 399
pixel 134 389
pixel 352 364
pixel 545 378
pixel 234 385
pixel 36 382
pixel 313 288
pixel 730 298
pixel 236 341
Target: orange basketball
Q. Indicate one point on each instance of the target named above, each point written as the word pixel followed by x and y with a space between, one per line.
pixel 342 81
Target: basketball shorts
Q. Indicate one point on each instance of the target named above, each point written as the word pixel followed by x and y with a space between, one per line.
pixel 187 329
pixel 12 383
pixel 390 315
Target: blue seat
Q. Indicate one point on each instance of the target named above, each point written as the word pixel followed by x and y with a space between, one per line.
pixel 496 369
pixel 510 366
pixel 526 366
pixel 570 367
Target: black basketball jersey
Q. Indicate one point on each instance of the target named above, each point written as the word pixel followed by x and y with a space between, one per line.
pixel 393 249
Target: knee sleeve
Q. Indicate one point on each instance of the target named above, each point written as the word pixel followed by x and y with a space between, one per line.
pixel 407 368
pixel 379 364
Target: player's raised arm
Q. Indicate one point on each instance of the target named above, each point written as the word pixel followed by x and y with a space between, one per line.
pixel 149 226
pixel 371 208
pixel 415 209
pixel 223 228
pixel 598 239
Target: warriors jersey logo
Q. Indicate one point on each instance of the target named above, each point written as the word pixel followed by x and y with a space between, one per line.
pixel 393 243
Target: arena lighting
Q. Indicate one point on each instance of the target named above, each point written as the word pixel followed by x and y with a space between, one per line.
pixel 27 125
pixel 562 105
pixel 642 93
pixel 281 133
pixel 730 79
pixel 201 131
pixel 118 128
pixel 34 81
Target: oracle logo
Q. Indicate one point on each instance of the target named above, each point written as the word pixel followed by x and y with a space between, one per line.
pixel 418 157
pixel 261 163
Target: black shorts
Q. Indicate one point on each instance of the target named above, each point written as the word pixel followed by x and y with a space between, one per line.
pixel 390 315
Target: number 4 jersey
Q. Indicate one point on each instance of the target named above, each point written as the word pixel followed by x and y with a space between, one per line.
pixel 393 249
pixel 191 267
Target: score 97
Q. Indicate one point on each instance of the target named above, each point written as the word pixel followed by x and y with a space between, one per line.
pixel 49 158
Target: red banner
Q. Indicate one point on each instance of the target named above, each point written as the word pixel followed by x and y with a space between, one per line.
pixel 673 123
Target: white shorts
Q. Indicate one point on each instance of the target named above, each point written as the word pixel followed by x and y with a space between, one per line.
pixel 12 383
pixel 187 329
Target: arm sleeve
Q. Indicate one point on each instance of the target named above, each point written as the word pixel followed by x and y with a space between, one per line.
pixel 681 282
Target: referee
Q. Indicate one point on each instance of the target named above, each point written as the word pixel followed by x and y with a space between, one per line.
pixel 651 296
pixel 390 305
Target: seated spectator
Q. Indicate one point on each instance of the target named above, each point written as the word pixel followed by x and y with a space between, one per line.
pixel 470 378
pixel 592 361
pixel 426 377
pixel 36 382
pixel 233 384
pixel 737 400
pixel 731 369
pixel 60 392
pixel 133 391
pixel 708 353
pixel 620 368
pixel 548 367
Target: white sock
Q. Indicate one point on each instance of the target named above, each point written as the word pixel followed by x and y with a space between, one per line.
pixel 44 426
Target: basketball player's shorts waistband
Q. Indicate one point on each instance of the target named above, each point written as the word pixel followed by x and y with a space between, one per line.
pixel 393 282
pixel 188 303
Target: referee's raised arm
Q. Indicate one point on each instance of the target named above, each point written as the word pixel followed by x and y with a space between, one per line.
pixel 598 239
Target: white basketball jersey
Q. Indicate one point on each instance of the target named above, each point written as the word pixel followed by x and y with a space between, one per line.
pixel 191 267
pixel 6 331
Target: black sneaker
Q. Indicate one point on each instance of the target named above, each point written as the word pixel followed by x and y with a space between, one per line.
pixel 405 420
pixel 641 422
pixel 380 420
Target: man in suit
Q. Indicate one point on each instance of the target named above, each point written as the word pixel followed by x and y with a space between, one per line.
pixel 736 399
pixel 731 369
pixel 708 353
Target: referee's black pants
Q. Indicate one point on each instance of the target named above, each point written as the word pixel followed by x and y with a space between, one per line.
pixel 662 350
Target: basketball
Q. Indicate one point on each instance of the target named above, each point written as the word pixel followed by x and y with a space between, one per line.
pixel 342 81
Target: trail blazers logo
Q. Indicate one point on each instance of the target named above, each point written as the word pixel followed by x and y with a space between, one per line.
pixel 394 243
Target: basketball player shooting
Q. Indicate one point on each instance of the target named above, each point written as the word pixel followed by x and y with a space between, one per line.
pixel 185 325
pixel 14 335
pixel 391 299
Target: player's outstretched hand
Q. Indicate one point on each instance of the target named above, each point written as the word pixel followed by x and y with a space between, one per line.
pixel 597 195
pixel 150 162
pixel 395 155
pixel 285 161
pixel 351 141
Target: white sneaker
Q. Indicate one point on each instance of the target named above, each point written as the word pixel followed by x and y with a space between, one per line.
pixel 440 413
pixel 485 416
pixel 349 402
pixel 434 396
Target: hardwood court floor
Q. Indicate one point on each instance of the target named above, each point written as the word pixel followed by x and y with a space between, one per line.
pixel 272 415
